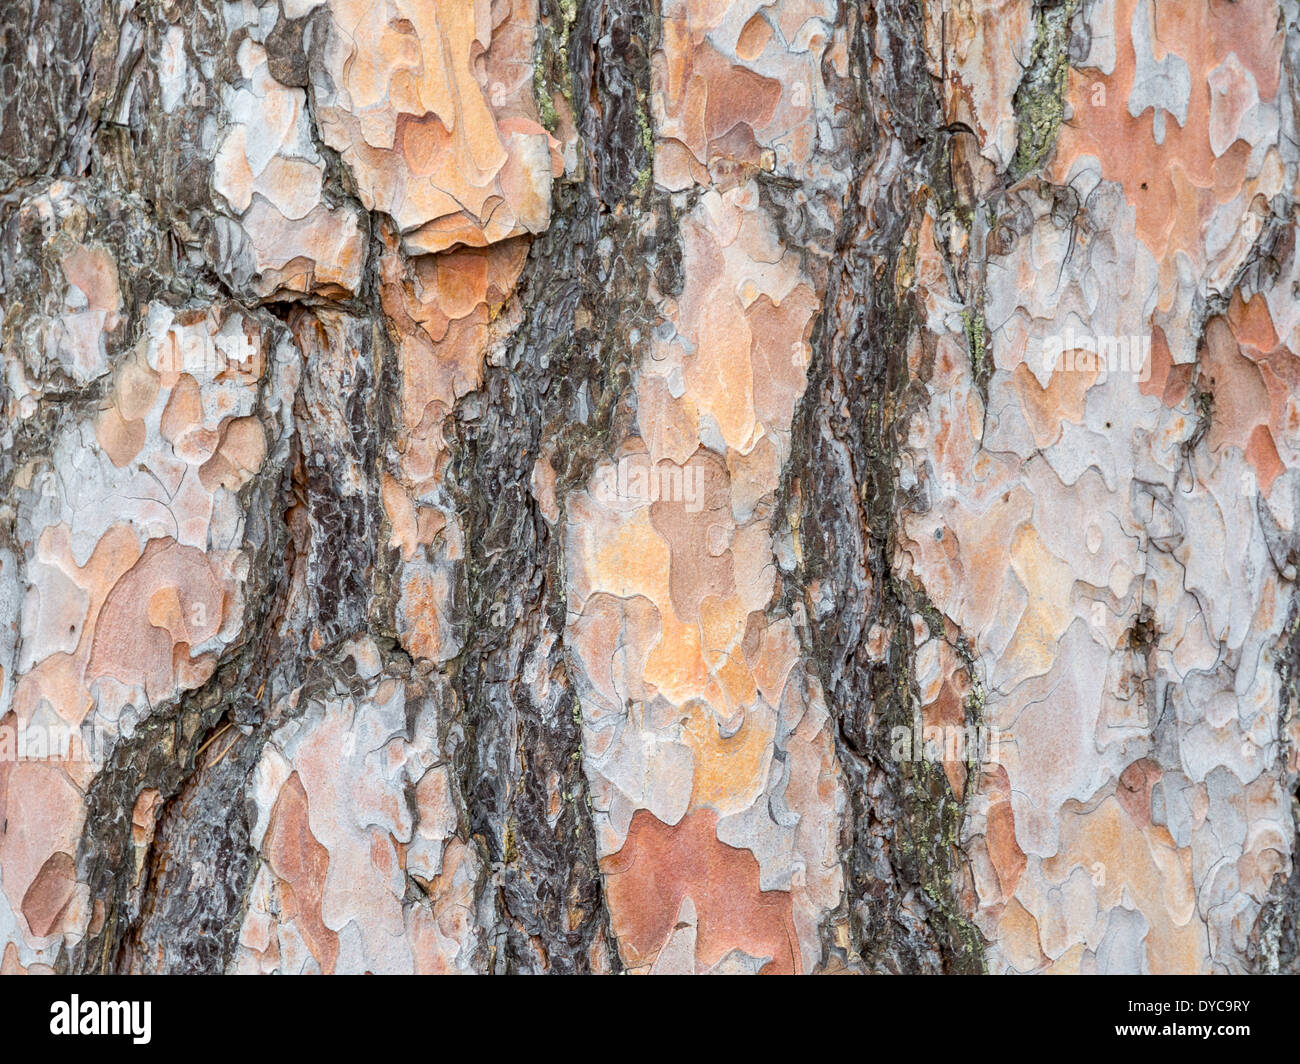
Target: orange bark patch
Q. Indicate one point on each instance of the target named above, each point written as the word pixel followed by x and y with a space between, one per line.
pixel 1251 390
pixel 1047 409
pixel 1174 184
pixel 49 894
pixel 660 866
pixel 300 862
pixel 128 645
pixel 699 543
pixel 1168 382
pixel 1134 791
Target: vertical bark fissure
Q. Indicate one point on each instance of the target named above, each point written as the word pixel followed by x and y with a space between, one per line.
pixel 901 858
pixel 553 391
pixel 197 868
pixel 1275 938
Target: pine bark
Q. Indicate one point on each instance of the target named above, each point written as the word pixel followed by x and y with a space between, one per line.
pixel 649 485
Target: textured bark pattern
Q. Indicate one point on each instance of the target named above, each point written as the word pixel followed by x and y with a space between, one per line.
pixel 666 486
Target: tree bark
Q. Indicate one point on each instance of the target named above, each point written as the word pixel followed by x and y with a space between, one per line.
pixel 649 485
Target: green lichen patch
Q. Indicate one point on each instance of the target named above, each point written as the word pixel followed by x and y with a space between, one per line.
pixel 977 343
pixel 1040 98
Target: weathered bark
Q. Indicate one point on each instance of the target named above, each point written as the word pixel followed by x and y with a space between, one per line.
pixel 650 485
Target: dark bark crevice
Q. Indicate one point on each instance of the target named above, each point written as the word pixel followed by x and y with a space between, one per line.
pixel 902 860
pixel 559 391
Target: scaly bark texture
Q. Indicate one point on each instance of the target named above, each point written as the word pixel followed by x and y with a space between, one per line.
pixel 666 486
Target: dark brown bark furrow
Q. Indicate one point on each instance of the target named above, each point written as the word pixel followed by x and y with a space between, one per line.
pixel 45 57
pixel 903 864
pixel 164 848
pixel 550 396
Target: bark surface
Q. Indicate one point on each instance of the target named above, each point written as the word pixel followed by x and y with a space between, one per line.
pixel 668 486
